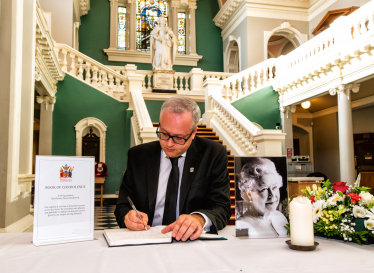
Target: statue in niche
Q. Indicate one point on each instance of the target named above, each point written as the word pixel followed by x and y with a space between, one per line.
pixel 163 46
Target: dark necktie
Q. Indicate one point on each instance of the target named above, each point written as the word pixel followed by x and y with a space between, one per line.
pixel 171 194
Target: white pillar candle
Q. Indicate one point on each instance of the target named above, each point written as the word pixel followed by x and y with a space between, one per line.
pixel 301 222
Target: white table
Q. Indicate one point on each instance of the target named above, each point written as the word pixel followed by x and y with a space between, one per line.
pixel 17 254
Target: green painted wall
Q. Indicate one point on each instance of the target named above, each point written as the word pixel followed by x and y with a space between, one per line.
pixel 95 26
pixel 154 108
pixel 76 101
pixel 261 107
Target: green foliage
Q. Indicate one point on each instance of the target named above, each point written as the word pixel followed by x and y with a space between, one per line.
pixel 360 189
pixel 327 184
pixel 287 227
pixel 360 237
pixel 340 194
pixel 347 201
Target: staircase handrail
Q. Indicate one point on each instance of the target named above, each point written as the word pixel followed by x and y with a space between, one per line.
pixel 235 115
pixel 141 121
pixel 101 76
pixel 235 124
pixel 141 110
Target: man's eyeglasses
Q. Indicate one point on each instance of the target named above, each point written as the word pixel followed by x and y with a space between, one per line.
pixel 176 139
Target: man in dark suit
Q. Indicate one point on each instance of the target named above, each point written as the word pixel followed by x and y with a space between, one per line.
pixel 180 181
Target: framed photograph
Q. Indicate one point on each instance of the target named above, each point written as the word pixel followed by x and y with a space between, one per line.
pixel 261 199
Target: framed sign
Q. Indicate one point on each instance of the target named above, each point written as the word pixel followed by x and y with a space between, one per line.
pixel 64 199
pixel 289 152
pixel 261 199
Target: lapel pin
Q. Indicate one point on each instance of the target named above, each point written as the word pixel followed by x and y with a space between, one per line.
pixel 191 170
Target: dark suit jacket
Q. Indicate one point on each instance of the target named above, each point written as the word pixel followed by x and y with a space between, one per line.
pixel 205 190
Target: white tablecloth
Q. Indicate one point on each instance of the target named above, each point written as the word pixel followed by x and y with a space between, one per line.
pixel 18 254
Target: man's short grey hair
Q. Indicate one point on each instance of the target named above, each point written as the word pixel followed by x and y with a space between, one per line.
pixel 179 105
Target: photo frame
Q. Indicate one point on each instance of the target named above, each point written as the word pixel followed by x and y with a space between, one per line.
pixel 261 200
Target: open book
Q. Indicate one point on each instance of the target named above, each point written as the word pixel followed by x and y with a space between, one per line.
pixel 126 237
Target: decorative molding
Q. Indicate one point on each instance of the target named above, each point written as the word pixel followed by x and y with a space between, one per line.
pixel 48 70
pixel 19 226
pixel 90 122
pixel 46 100
pixel 318 6
pixel 192 6
pixel 85 6
pixel 287 109
pixel 225 12
pixel 286 10
pixel 361 103
pixel 25 184
pixel 145 57
pixel 344 89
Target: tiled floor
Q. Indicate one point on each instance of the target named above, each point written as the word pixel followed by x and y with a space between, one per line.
pixel 104 218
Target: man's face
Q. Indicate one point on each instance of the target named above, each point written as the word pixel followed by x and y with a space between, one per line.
pixel 266 194
pixel 176 125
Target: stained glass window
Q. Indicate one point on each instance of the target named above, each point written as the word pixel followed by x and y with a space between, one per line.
pixel 122 28
pixel 181 32
pixel 148 12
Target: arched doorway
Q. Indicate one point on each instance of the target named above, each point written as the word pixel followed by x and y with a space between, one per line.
pixel 232 57
pixel 282 40
pixel 279 45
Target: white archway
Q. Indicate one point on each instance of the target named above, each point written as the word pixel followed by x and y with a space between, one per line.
pixel 84 124
pixel 287 31
pixel 232 55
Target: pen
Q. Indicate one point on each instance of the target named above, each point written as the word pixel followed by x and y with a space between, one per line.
pixel 137 213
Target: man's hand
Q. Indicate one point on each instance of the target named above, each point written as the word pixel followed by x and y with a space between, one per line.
pixel 187 226
pixel 132 221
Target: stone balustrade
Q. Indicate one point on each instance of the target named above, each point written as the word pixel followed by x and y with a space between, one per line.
pixel 92 72
pixel 240 135
pixel 240 130
pixel 250 80
pixel 322 62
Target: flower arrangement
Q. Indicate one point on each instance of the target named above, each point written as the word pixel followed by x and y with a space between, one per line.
pixel 342 212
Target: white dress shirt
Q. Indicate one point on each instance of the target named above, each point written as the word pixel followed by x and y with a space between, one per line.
pixel 165 169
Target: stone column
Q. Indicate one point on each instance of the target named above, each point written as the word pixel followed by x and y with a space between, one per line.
pixel 14 206
pixel 45 133
pixel 132 24
pixel 28 89
pixel 191 10
pixel 174 17
pixel 346 145
pixel 113 44
pixel 286 115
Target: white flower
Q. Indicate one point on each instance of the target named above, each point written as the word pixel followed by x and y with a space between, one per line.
pixel 370 214
pixel 317 209
pixel 358 212
pixel 333 199
pixel 366 198
pixel 369 224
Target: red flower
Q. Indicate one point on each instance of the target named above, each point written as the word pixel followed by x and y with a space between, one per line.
pixel 312 199
pixel 339 186
pixel 354 197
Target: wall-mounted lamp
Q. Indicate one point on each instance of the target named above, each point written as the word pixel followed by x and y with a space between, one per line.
pixel 305 104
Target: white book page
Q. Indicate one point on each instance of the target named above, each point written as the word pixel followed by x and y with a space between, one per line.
pixel 128 237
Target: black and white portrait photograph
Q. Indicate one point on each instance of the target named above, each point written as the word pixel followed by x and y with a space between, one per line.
pixel 261 196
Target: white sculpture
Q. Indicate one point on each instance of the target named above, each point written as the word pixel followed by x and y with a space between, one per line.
pixel 163 46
